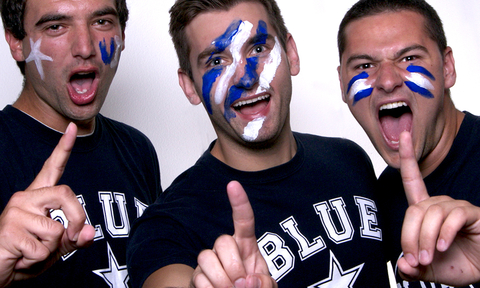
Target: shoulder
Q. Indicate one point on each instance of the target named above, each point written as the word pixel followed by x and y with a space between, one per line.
pixel 123 131
pixel 331 146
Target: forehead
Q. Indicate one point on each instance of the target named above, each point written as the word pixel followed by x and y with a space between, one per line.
pixel 206 27
pixel 386 30
pixel 35 9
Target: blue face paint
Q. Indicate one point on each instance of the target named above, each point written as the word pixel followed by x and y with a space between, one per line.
pixel 222 42
pixel 107 57
pixel 208 80
pixel 418 82
pixel 248 80
pixel 360 89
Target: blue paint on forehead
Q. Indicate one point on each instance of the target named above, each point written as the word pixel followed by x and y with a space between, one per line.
pixel 262 32
pixel 225 40
pixel 363 75
pixel 420 90
pixel 107 57
pixel 208 80
pixel 420 69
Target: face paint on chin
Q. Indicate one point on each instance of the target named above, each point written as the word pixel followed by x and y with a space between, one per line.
pixel 418 83
pixel 111 58
pixel 358 88
pixel 37 56
pixel 251 131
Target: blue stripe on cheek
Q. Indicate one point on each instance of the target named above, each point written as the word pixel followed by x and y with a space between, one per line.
pixel 208 80
pixel 417 89
pixel 420 69
pixel 363 75
pixel 362 94
pixel 107 57
pixel 234 94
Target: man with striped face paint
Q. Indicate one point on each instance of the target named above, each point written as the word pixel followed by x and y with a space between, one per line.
pixel 395 73
pixel 315 220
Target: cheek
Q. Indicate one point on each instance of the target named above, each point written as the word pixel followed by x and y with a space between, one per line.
pixel 209 80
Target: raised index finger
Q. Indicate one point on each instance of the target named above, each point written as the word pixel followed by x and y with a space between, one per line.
pixel 54 166
pixel 242 213
pixel 412 179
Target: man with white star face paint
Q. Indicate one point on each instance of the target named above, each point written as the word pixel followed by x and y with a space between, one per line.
pixel 396 72
pixel 68 52
pixel 310 194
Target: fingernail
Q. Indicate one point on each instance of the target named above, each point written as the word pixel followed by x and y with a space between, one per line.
pixel 75 237
pixel 68 127
pixel 424 257
pixel 442 245
pixel 411 260
pixel 240 283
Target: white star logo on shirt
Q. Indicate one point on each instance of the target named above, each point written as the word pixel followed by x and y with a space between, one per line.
pixel 339 278
pixel 37 56
pixel 114 275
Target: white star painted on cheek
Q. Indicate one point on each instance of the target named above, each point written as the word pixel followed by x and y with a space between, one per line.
pixel 114 275
pixel 339 278
pixel 37 56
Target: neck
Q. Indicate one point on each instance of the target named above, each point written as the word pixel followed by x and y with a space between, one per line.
pixel 38 109
pixel 453 122
pixel 256 157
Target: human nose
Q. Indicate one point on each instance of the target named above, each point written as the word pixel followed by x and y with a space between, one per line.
pixel 388 78
pixel 83 43
pixel 246 75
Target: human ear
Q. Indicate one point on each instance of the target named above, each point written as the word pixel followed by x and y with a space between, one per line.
pixel 449 72
pixel 188 87
pixel 292 56
pixel 16 46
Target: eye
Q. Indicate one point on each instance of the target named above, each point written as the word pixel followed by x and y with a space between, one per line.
pixel 364 66
pixel 410 58
pixel 216 61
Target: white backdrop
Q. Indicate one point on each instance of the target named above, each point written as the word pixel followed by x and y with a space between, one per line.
pixel 146 95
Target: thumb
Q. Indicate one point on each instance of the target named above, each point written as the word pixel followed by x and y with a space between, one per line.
pixel 412 179
pixel 54 166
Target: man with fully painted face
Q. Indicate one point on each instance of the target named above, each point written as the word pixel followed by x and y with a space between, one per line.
pixel 68 52
pixel 316 222
pixel 395 72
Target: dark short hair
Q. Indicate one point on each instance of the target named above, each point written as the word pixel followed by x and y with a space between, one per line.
pixel 184 11
pixel 365 8
pixel 13 13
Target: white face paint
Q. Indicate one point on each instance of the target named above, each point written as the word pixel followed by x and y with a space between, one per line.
pixel 357 87
pixel 420 80
pixel 37 56
pixel 250 133
pixel 119 43
pixel 270 68
pixel 238 41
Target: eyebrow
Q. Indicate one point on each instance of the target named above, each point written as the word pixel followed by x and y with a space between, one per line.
pixel 212 49
pixel 61 17
pixel 397 54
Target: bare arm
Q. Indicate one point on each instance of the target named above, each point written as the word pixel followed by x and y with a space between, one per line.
pixel 171 276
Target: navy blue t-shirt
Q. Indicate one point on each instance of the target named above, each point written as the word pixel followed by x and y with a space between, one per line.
pixel 458 176
pixel 114 173
pixel 316 220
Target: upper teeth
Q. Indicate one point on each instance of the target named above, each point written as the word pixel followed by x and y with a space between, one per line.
pixel 393 105
pixel 250 101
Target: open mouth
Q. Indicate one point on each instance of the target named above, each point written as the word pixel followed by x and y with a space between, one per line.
pixel 394 119
pixel 83 87
pixel 252 106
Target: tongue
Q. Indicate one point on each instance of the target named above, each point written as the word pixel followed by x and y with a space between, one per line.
pixel 253 109
pixel 82 84
pixel 393 126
